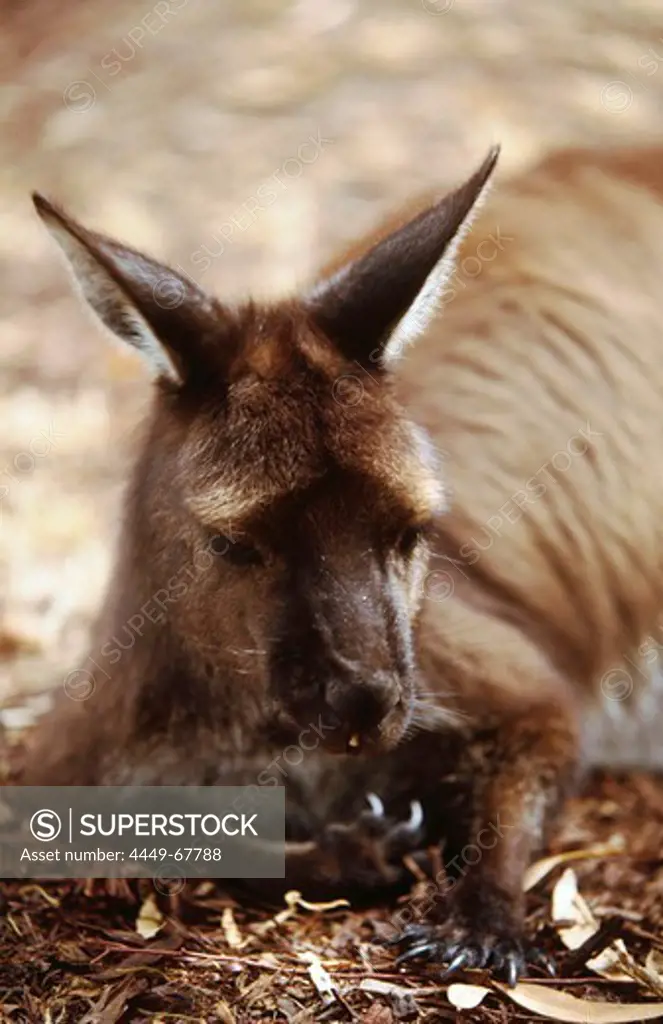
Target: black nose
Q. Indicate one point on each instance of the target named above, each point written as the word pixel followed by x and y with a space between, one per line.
pixel 360 706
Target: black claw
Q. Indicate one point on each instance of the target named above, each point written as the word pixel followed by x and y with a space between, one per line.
pixel 451 950
pixel 513 969
pixel 424 949
pixel 507 958
pixel 466 958
pixel 537 956
pixel 497 963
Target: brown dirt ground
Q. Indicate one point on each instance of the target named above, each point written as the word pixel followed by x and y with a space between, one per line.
pixel 159 123
pixel 70 951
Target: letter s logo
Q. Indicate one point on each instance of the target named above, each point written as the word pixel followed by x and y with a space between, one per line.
pixel 45 825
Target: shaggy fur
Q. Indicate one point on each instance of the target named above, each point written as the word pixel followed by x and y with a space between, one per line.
pixel 480 597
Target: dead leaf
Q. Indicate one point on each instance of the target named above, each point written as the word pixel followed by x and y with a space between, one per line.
pixel 388 988
pixel 320 977
pixel 230 930
pixel 150 920
pixel 114 1001
pixel 332 905
pixel 537 871
pixel 403 1003
pixel 224 1013
pixel 257 990
pixel 145 956
pixel 466 997
pixel 382 988
pixel 560 1006
pixel 568 905
pixel 51 900
pixel 293 898
pixel 654 965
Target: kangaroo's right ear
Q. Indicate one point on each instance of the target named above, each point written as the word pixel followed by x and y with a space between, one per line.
pixel 156 310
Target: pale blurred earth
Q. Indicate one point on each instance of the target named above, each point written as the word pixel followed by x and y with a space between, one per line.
pixel 158 124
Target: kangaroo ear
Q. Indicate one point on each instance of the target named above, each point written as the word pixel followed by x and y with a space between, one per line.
pixel 374 306
pixel 143 302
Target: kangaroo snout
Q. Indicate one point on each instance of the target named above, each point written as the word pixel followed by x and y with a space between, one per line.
pixel 362 706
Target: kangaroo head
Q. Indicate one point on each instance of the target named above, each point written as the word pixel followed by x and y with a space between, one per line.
pixel 279 463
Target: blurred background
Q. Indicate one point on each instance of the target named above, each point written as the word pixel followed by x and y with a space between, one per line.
pixel 242 140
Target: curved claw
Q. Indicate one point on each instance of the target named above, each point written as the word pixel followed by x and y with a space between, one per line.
pixel 404 836
pixel 468 957
pixel 537 956
pixel 506 957
pixel 507 960
pixel 416 818
pixel 424 949
pixel 376 805
pixel 514 968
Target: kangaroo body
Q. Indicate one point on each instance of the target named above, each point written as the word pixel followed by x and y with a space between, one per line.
pixel 533 648
pixel 546 372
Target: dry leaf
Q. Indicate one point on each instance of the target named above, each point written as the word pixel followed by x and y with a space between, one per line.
pixel 654 963
pixel 543 867
pixel 224 1013
pixel 561 1006
pixel 320 977
pixel 613 963
pixel 388 988
pixel 332 905
pixel 466 997
pixel 294 899
pixel 51 900
pixel 569 905
pixel 654 970
pixel 114 1001
pixel 382 988
pixel 230 930
pixel 150 919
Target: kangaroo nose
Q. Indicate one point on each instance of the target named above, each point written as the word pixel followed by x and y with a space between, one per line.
pixel 360 707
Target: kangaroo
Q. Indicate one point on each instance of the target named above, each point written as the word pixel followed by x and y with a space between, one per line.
pixel 367 552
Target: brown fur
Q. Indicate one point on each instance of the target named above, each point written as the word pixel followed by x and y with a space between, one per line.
pixel 542 390
pixel 555 349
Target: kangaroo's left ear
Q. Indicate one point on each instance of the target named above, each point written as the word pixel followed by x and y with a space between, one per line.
pixel 374 306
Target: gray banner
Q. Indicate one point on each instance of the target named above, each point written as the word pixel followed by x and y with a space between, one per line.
pixel 142 832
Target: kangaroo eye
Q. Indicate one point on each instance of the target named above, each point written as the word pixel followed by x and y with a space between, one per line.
pixel 236 552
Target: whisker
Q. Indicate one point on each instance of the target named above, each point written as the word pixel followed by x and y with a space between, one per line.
pixel 431 717
pixel 245 650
